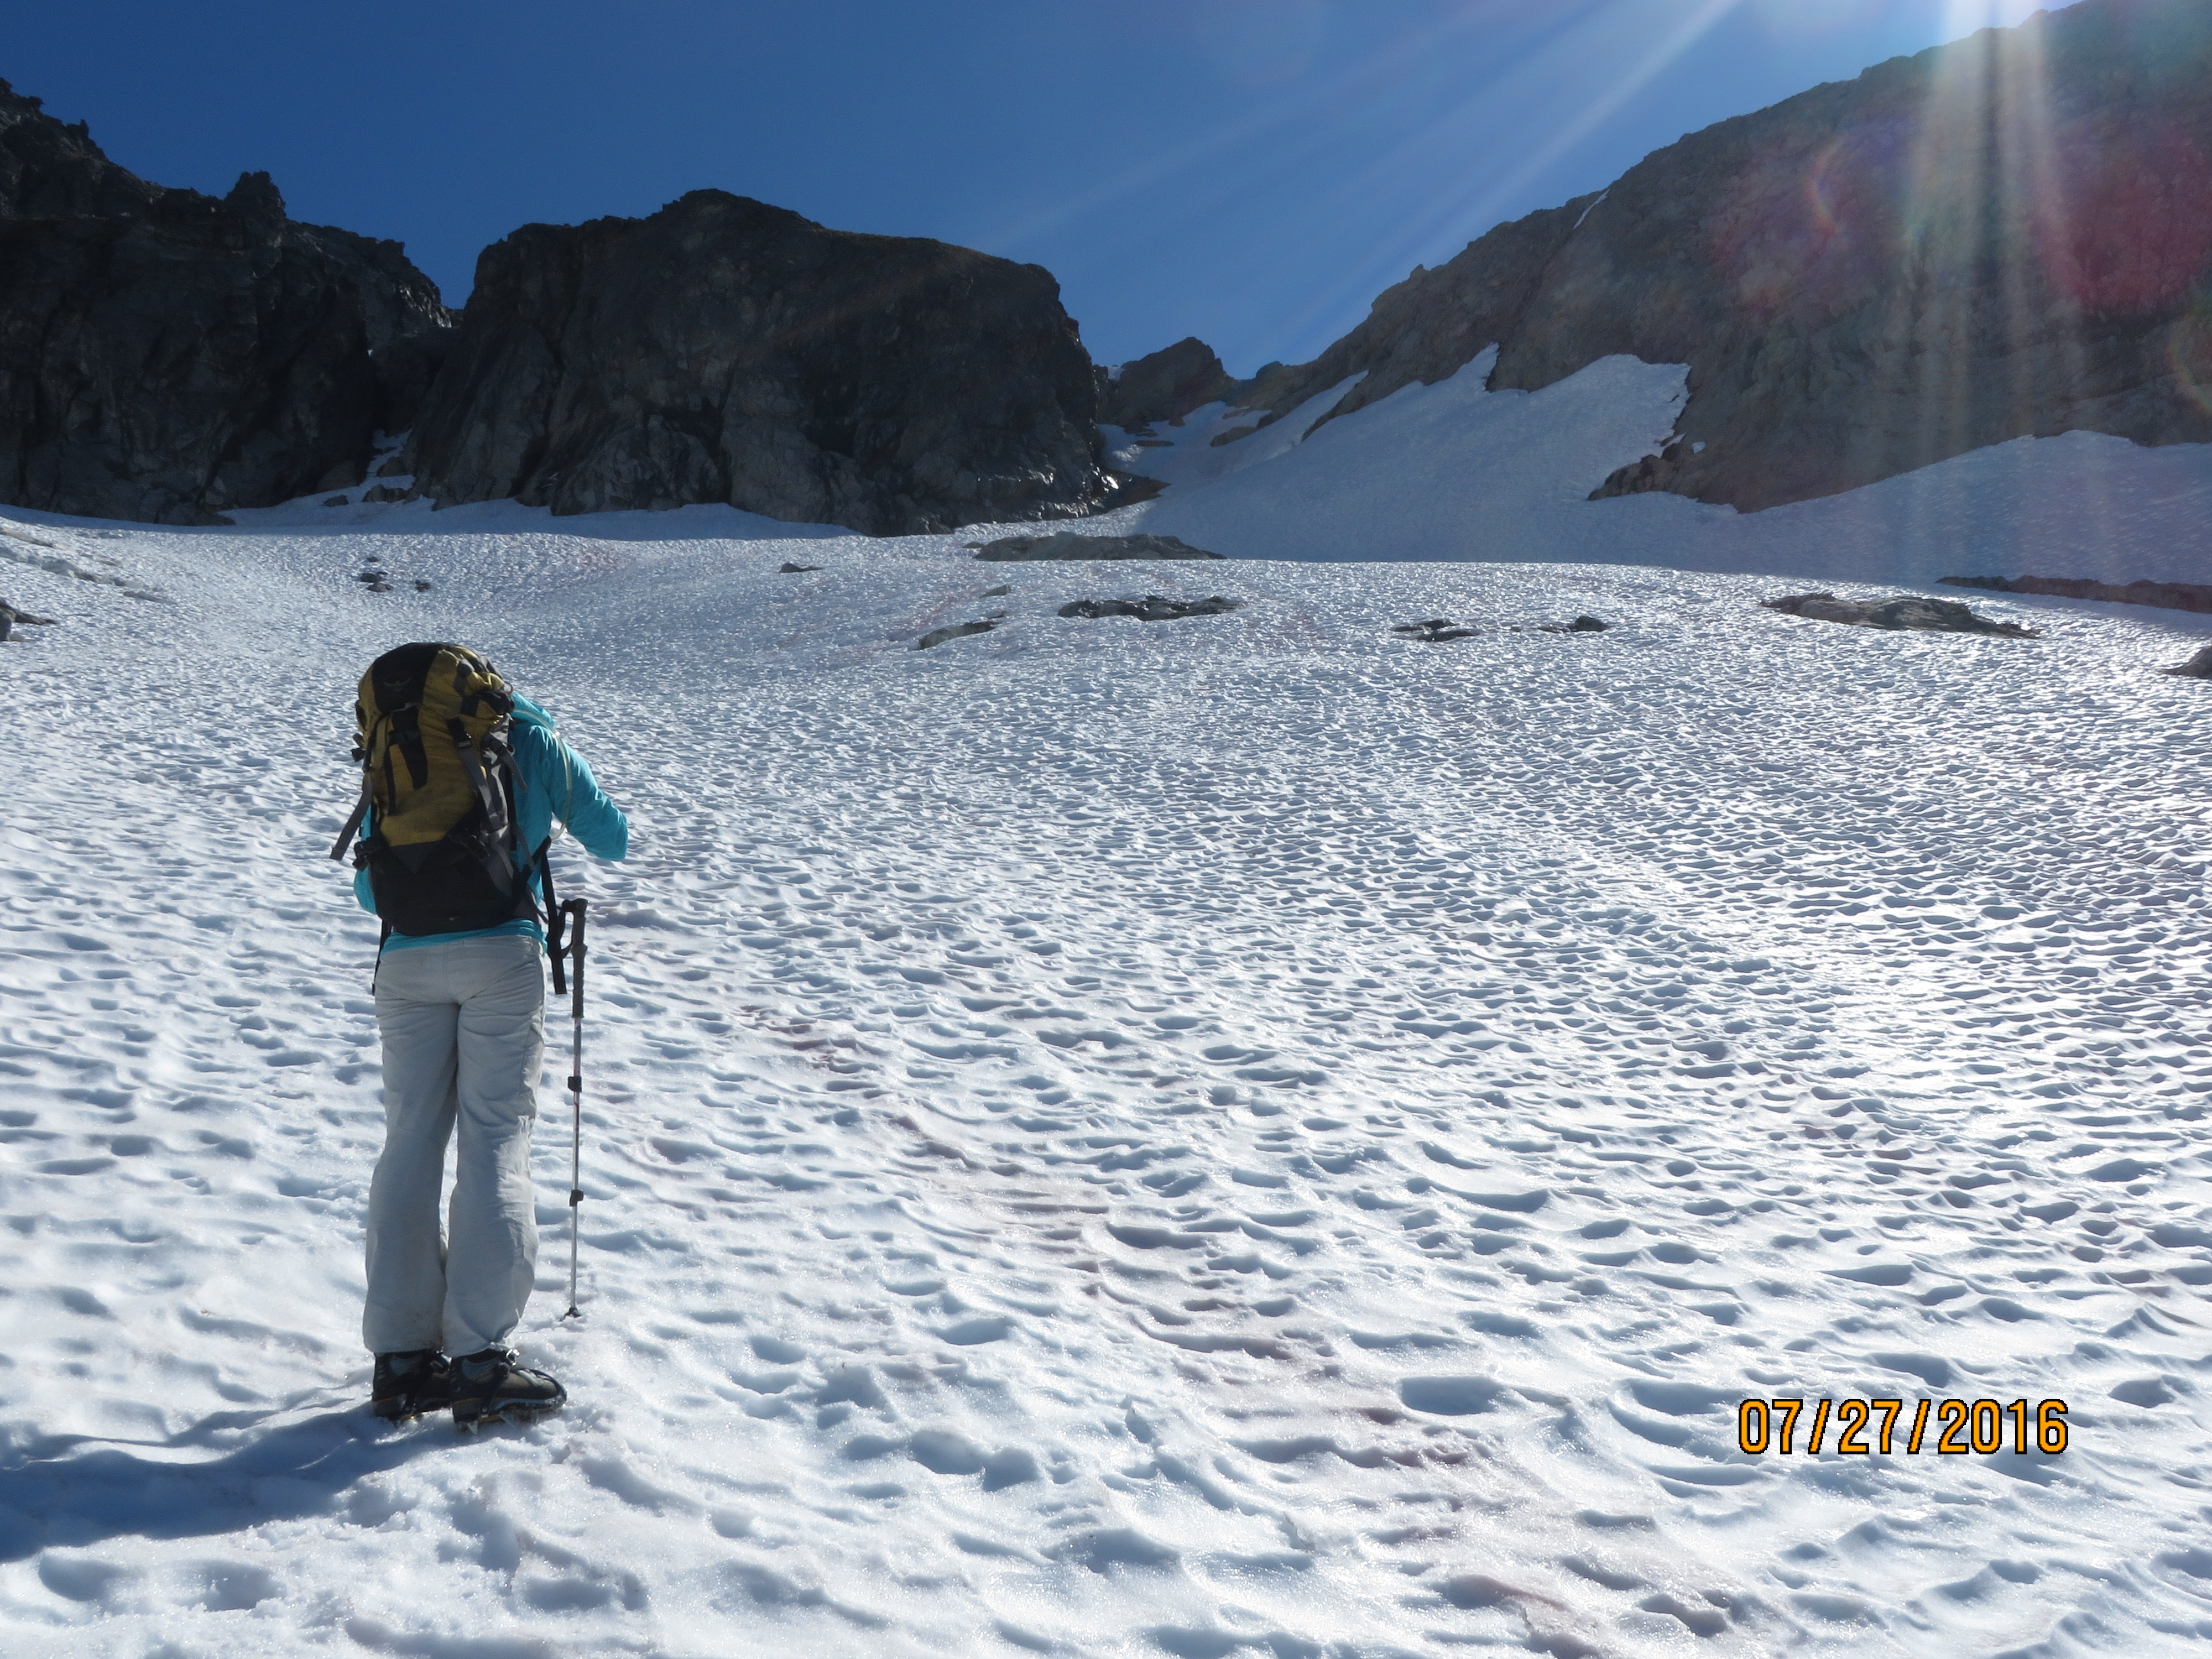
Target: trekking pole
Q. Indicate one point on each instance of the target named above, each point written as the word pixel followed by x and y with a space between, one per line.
pixel 574 909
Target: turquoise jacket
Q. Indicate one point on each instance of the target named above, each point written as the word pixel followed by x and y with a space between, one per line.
pixel 551 780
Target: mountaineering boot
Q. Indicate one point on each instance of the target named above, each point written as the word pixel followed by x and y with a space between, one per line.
pixel 408 1384
pixel 490 1387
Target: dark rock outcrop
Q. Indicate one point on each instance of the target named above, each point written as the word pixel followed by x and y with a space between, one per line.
pixel 1153 607
pixel 1164 387
pixel 1437 630
pixel 1904 611
pixel 165 355
pixel 2198 667
pixel 9 617
pixel 725 350
pixel 1441 630
pixel 1067 546
pixel 938 636
pixel 2000 238
pixel 2170 596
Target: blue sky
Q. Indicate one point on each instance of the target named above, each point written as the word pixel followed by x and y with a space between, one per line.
pixel 1253 172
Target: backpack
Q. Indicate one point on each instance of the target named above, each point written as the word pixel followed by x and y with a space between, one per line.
pixel 443 855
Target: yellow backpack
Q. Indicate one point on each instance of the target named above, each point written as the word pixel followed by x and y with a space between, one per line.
pixel 442 855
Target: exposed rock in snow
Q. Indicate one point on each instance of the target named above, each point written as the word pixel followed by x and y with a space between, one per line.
pixel 938 636
pixel 10 616
pixel 1641 477
pixel 1904 611
pixel 888 384
pixel 1153 607
pixel 1441 630
pixel 298 342
pixel 2198 667
pixel 2171 596
pixel 1437 630
pixel 1066 544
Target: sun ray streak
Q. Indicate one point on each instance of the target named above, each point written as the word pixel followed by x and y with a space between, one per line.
pixel 1685 33
pixel 1501 28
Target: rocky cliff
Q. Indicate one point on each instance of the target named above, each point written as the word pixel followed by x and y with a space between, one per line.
pixel 725 350
pixel 2006 236
pixel 1164 387
pixel 165 355
pixel 1430 326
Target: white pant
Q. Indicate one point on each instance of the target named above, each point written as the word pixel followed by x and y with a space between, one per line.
pixel 463 1030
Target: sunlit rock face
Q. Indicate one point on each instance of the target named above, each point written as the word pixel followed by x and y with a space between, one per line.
pixel 725 350
pixel 2004 237
pixel 1430 326
pixel 165 355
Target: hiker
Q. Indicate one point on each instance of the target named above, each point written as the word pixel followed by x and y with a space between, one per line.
pixel 462 779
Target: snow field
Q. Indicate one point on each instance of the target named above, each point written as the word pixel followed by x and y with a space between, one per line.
pixel 1453 471
pixel 1237 1136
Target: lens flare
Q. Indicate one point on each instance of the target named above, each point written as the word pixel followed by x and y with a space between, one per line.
pixel 1811 234
pixel 2189 353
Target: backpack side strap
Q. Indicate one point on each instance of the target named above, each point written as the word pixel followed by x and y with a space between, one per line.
pixel 360 811
pixel 557 919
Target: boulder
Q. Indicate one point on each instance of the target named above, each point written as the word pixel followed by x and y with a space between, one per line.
pixel 1153 607
pixel 1904 611
pixel 788 568
pixel 2198 667
pixel 1067 546
pixel 165 355
pixel 725 350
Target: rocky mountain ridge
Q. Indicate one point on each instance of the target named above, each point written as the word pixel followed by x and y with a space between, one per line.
pixel 891 383
pixel 165 355
pixel 2010 235
pixel 2003 237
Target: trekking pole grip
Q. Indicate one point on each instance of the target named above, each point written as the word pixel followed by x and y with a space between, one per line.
pixel 574 907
